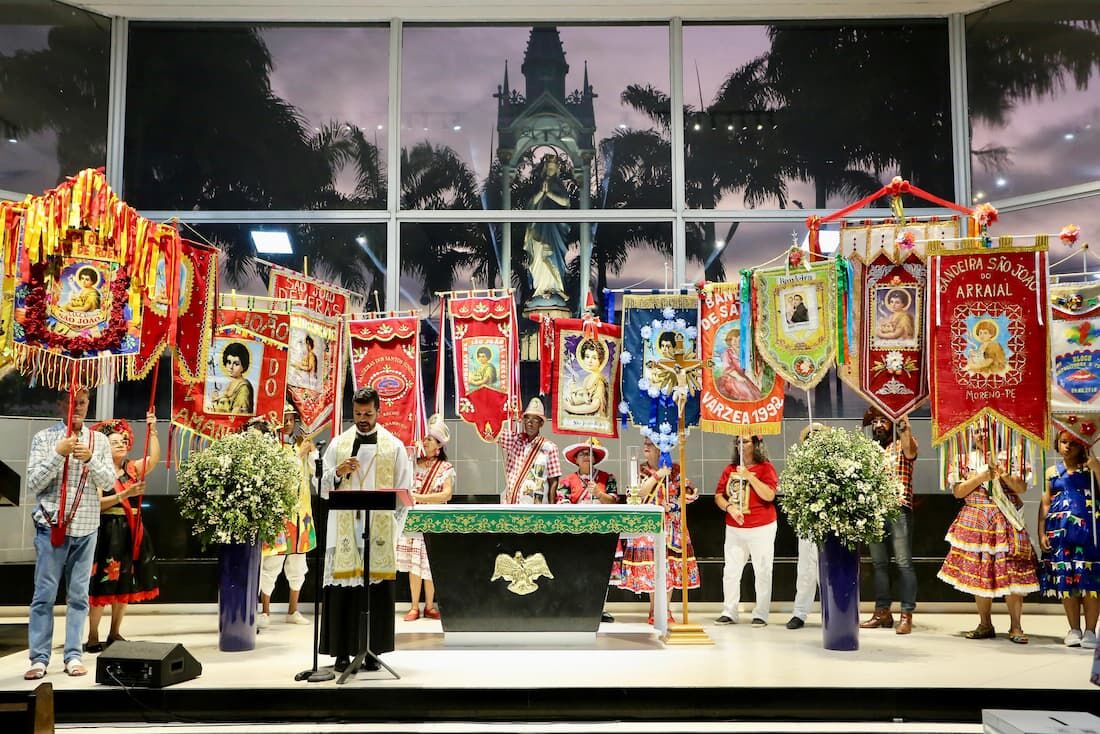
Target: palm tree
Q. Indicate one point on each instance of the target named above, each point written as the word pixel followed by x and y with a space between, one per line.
pixel 1018 52
pixel 62 88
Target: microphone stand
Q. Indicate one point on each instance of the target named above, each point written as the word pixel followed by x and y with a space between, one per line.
pixel 314 674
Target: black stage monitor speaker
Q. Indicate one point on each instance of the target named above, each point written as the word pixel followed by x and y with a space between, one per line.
pixel 145 664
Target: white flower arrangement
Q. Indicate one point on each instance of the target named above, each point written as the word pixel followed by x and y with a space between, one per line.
pixel 837 483
pixel 239 489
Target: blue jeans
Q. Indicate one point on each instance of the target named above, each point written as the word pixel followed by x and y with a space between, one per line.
pixel 74 558
pixel 899 539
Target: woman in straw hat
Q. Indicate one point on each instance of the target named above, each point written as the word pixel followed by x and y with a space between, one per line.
pixel 433 484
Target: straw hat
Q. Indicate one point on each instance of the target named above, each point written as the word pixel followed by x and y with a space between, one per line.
pixel 535 408
pixel 812 428
pixel 599 453
pixel 872 413
pixel 438 430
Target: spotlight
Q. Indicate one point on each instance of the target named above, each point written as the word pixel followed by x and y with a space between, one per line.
pixel 697 127
pixel 719 244
pixel 361 240
pixel 456 128
pixel 1001 182
pixel 1069 136
pixel 272 243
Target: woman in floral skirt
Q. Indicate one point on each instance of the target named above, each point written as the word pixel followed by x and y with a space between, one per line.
pixel 660 485
pixel 123 572
pixel 433 484
pixel 991 554
pixel 1068 520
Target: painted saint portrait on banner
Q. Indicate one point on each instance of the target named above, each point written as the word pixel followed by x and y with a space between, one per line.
pixel 231 380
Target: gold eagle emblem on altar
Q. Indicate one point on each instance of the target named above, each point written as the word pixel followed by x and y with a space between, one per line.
pixel 521 572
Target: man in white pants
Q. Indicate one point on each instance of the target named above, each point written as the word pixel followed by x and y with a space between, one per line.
pixel 805 585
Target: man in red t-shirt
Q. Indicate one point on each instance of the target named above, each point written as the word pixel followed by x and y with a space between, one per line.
pixel 746 493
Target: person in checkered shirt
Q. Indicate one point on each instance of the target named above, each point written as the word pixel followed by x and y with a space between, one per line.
pixel 901 457
pixel 90 471
pixel 531 463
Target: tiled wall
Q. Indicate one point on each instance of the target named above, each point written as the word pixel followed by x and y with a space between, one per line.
pixel 478 464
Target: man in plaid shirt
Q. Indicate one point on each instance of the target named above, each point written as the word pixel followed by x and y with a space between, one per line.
pixel 901 456
pixel 90 470
pixel 531 463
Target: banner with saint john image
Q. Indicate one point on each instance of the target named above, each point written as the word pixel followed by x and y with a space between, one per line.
pixel 889 364
pixel 584 371
pixel 734 400
pixel 385 355
pixel 796 320
pixel 1075 359
pixel 988 321
pixel 892 335
pixel 315 364
pixel 658 328
pixel 486 360
pixel 245 371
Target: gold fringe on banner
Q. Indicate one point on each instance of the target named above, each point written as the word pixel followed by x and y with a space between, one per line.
pixel 738 429
pixel 53 369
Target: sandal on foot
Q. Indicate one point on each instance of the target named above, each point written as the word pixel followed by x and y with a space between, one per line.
pixel 1018 637
pixel 981 632
pixel 74 668
pixel 93 647
pixel 413 615
pixel 37 672
pixel 432 613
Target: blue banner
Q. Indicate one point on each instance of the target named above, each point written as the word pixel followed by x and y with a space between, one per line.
pixel 657 327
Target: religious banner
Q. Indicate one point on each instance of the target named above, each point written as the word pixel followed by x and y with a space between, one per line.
pixel 315 367
pixel 988 321
pixel 897 239
pixel 734 400
pixel 83 255
pixel 189 330
pixel 1075 359
pixel 11 223
pixel 385 355
pixel 657 327
pixel 584 361
pixel 246 370
pixel 892 335
pixel 76 306
pixel 796 320
pixel 486 360
pixel 863 241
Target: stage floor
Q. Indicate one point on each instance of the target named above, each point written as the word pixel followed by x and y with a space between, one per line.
pixel 627 657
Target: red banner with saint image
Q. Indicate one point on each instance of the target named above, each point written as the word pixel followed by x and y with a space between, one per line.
pixel 734 401
pixel 892 335
pixel 988 323
pixel 196 279
pixel 385 355
pixel 486 358
pixel 315 365
pixel 245 371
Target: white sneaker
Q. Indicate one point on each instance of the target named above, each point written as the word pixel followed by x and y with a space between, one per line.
pixel 1088 640
pixel 1073 638
pixel 263 620
pixel 297 618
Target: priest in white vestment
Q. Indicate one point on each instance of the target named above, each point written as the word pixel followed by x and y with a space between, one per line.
pixel 366 456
